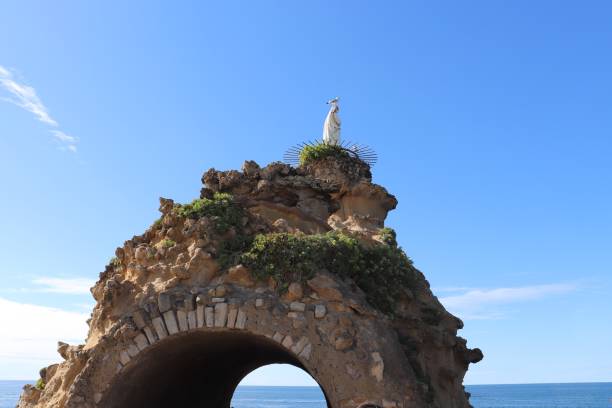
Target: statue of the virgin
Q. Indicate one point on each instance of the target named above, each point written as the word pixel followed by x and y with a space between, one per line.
pixel 331 127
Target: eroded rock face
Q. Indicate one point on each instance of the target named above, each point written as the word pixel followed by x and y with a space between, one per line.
pixel 166 293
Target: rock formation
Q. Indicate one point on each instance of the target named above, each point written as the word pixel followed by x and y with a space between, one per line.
pixel 271 265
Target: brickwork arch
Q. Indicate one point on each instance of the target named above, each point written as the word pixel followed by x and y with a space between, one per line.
pixel 183 345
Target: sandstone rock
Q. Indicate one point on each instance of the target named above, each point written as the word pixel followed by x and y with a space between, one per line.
pixel 220 291
pixel 240 275
pixel 325 287
pixel 343 343
pixel 250 168
pixel 294 292
pixel 157 290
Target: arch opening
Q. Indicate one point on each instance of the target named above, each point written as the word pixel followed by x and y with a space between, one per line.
pixel 194 370
pixel 278 385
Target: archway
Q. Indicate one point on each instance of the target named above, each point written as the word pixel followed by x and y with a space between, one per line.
pixel 198 369
pixel 278 386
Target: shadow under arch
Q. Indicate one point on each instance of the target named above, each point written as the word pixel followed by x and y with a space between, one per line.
pixel 198 369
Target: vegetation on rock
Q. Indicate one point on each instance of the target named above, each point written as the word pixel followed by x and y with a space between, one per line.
pixel 320 151
pixel 388 236
pixel 40 384
pixel 221 209
pixel 167 243
pixel 383 272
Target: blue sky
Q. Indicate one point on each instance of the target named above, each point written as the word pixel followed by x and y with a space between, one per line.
pixel 491 120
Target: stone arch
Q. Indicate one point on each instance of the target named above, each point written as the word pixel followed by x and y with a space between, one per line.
pixel 193 345
pixel 197 368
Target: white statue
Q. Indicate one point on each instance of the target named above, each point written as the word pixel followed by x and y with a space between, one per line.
pixel 331 127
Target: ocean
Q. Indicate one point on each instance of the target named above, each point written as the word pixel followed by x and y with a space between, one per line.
pixel 582 395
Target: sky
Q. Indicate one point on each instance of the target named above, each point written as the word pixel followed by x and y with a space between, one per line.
pixel 492 122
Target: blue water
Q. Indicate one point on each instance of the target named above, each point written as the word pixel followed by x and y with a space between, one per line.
pixel 584 395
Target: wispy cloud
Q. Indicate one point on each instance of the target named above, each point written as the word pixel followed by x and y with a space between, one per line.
pixel 486 303
pixel 30 339
pixel 72 286
pixel 26 97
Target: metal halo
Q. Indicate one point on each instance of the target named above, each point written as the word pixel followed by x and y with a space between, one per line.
pixel 358 151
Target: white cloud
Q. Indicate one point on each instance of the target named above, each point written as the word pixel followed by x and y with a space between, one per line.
pixel 67 142
pixel 485 303
pixel 26 97
pixel 73 286
pixel 30 334
pixel 62 137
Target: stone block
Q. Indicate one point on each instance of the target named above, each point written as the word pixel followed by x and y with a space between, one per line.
pixel 297 306
pixel 299 346
pixel 171 323
pixel 231 317
pixel 287 342
pixel 160 328
pixel 164 302
pixel 320 311
pixel 218 300
pixel 221 311
pixel 200 316
pixel 209 314
pixel 241 319
pixel 191 319
pixel 181 316
pixel 124 357
pixel 150 334
pixel 278 337
pixel 305 354
pixel 133 350
pixel 139 319
pixel 259 303
pixel 141 341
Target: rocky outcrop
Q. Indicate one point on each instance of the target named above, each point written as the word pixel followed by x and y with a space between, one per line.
pixel 176 308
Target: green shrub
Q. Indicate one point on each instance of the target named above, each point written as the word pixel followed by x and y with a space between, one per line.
pixel 388 236
pixel 320 151
pixel 222 209
pixel 167 243
pixel 115 262
pixel 40 384
pixel 381 271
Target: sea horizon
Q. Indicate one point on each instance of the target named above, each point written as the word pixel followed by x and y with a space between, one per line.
pixel 532 395
pixel 314 386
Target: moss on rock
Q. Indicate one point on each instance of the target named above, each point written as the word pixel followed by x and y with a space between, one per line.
pixel 320 151
pixel 383 272
pixel 221 208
